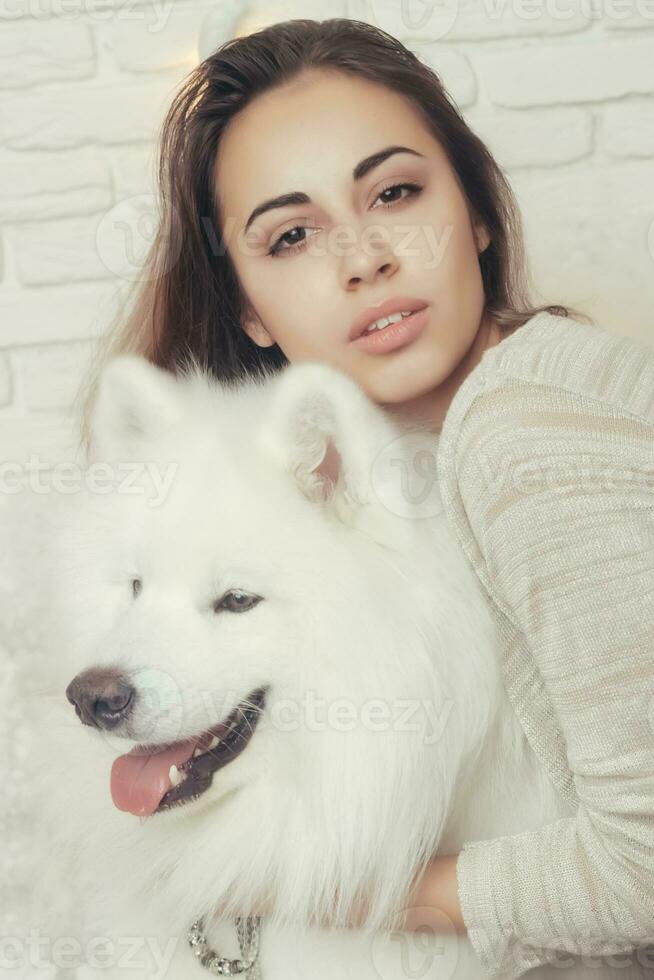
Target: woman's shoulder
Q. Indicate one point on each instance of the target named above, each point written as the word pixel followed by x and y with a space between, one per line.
pixel 591 359
pixel 587 358
pixel 554 393
pixel 548 362
pixel 556 420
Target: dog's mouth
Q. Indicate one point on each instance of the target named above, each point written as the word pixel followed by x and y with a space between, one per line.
pixel 153 778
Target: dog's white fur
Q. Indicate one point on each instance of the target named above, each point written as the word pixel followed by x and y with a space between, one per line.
pixel 363 602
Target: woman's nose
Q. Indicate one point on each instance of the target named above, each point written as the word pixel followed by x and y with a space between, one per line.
pixel 366 260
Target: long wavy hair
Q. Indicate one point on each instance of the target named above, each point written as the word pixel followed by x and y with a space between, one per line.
pixel 188 304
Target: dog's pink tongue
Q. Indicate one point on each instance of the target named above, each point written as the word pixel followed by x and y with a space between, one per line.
pixel 139 782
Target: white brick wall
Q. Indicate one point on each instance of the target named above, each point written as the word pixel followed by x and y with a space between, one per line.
pixel 562 92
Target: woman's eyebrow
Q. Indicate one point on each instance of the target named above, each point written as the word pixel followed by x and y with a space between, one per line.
pixel 299 197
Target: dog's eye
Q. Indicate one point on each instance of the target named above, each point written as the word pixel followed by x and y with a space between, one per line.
pixel 137 585
pixel 236 601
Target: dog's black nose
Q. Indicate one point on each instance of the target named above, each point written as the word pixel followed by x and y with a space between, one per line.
pixel 102 696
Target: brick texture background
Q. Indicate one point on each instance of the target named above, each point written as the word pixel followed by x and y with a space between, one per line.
pixel 561 90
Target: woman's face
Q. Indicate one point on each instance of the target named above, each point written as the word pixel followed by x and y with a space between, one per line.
pixel 309 270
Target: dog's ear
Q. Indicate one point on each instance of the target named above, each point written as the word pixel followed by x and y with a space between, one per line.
pixel 135 402
pixel 323 429
pixel 319 426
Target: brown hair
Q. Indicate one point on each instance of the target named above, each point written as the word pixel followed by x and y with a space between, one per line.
pixel 189 303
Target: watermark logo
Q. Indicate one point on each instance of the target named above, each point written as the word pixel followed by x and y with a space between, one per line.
pixel 430 949
pixel 405 476
pixel 126 235
pixel 408 19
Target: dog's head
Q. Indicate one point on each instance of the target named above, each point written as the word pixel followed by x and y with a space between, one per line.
pixel 259 601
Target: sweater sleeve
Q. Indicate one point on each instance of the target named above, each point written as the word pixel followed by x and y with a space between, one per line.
pixel 557 488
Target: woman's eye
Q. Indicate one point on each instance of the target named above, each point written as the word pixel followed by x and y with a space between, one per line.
pixel 137 585
pixel 277 249
pixel 236 601
pixel 412 188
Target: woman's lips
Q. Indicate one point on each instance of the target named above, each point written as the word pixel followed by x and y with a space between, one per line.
pixel 395 335
pixel 390 306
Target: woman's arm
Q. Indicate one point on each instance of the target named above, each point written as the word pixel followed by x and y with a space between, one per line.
pixel 557 498
pixel 434 900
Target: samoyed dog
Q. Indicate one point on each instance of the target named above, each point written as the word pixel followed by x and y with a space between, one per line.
pixel 278 684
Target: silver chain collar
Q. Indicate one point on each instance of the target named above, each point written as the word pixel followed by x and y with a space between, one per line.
pixel 248 931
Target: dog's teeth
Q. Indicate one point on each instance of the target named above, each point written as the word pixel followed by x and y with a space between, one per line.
pixel 199 750
pixel 175 776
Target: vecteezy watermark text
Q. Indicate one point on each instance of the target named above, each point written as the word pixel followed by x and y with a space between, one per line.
pixel 313 713
pixel 99 952
pixel 150 479
pixel 155 13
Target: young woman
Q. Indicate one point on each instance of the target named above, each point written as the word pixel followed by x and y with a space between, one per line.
pixel 314 177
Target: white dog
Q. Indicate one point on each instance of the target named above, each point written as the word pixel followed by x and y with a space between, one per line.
pixel 308 624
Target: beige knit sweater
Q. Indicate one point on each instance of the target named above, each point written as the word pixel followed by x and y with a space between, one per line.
pixel 546 459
